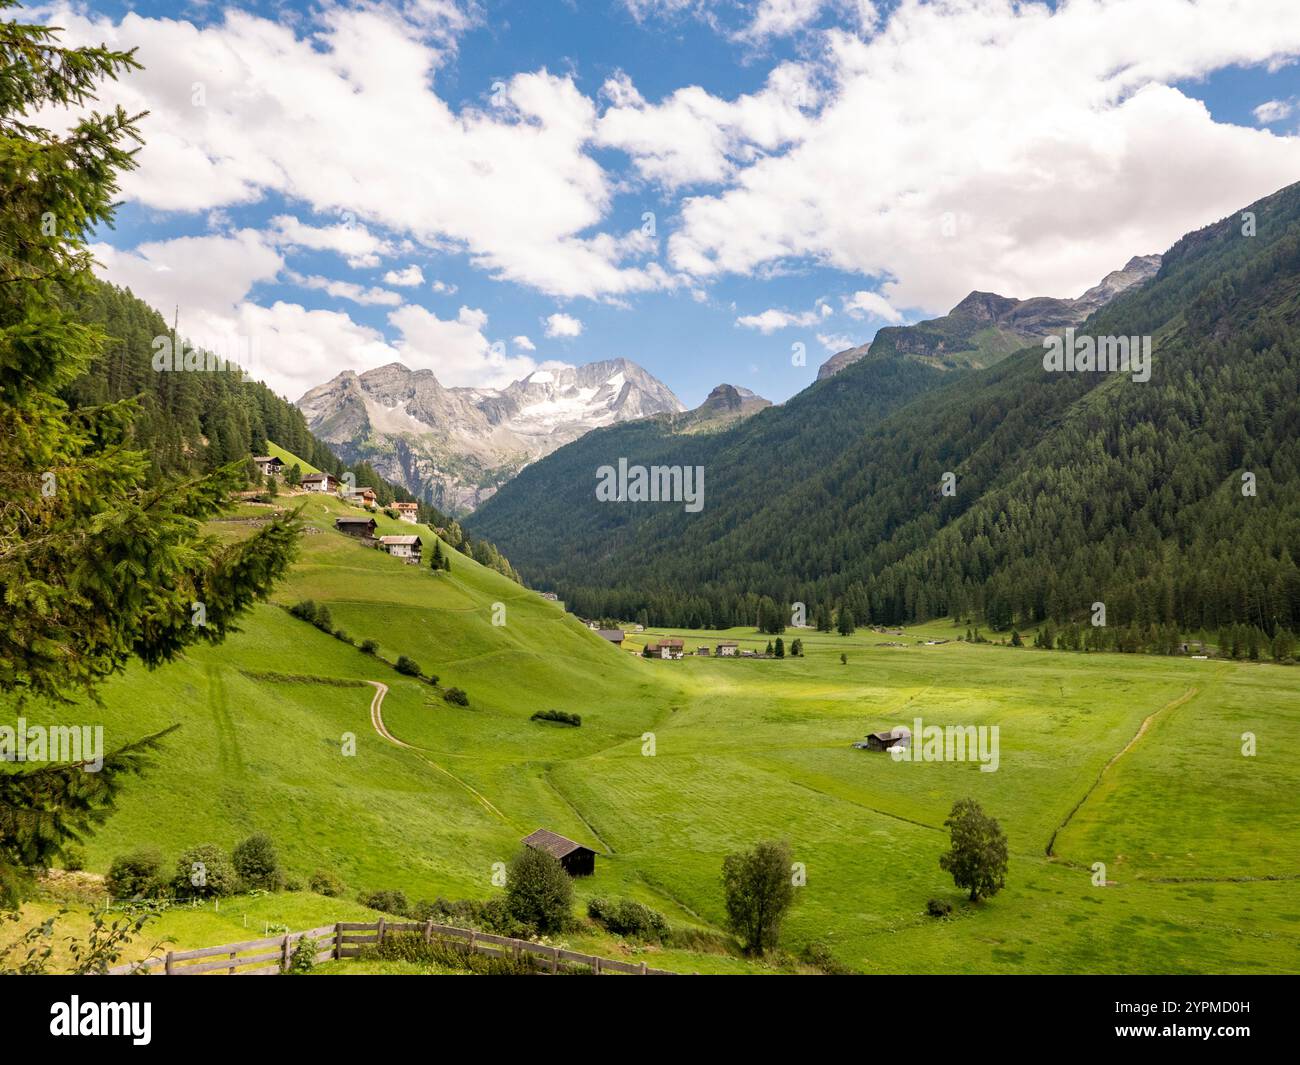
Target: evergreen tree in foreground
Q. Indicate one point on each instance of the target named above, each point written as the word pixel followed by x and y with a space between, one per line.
pixel 97 565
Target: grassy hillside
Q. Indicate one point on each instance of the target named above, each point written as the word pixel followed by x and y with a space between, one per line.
pixel 744 749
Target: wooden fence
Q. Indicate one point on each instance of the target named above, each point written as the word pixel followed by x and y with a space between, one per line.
pixel 348 939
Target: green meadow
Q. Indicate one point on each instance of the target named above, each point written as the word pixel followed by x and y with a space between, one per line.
pixel 1131 761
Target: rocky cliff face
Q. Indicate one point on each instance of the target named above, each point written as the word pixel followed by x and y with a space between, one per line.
pixel 456 446
pixel 984 327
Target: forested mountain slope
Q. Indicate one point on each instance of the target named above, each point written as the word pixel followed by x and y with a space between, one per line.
pixel 1071 488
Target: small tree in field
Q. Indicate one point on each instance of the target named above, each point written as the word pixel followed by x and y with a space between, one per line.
pixel 846 625
pixel 759 889
pixel 978 859
pixel 257 863
pixel 539 893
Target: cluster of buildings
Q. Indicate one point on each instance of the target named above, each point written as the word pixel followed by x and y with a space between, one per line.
pixel 328 484
pixel 408 548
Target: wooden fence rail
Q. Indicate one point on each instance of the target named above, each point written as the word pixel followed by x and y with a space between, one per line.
pixel 348 939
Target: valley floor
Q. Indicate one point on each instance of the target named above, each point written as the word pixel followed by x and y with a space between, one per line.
pixel 1131 761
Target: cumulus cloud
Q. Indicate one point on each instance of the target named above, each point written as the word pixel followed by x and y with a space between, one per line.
pixel 862 304
pixel 346 290
pixel 563 325
pixel 444 288
pixel 769 321
pixel 456 350
pixel 1272 111
pixel 524 344
pixel 356 244
pixel 1007 147
pixel 694 137
pixel 408 277
pixel 511 183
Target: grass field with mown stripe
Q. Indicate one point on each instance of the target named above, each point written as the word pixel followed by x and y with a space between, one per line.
pixel 743 750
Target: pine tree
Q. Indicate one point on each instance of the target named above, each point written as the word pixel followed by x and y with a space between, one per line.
pixel 99 561
pixel 846 624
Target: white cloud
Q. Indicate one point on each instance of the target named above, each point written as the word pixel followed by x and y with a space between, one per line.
pixel 444 288
pixel 524 344
pixel 511 185
pixel 861 304
pixel 358 246
pixel 408 277
pixel 346 290
pixel 780 18
pixel 836 342
pixel 563 325
pixel 769 321
pixel 456 350
pixel 693 136
pixel 1273 111
pixel 1048 142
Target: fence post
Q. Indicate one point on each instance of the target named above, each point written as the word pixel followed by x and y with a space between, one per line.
pixel 233 954
pixel 428 930
pixel 167 970
pixel 338 940
pixel 284 954
pixel 555 960
pixel 595 968
pixel 380 939
pixel 643 968
pixel 472 937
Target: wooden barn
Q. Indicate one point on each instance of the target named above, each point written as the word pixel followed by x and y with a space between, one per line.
pixel 360 527
pixel 576 859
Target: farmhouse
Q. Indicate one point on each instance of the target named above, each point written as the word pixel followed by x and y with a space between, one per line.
pixel 407 547
pixel 408 512
pixel 362 495
pixel 703 651
pixel 728 649
pixel 883 741
pixel 576 859
pixel 669 647
pixel 360 527
pixel 269 465
pixel 551 596
pixel 319 482
pixel 614 636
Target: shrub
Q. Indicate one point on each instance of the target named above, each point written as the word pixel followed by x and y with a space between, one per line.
pixel 938 908
pixel 407 666
pixel 369 647
pixel 559 716
pixel 411 947
pixel 539 892
pixel 303 958
pixel 819 955
pixel 627 917
pixel 387 902
pixel 323 621
pixel 455 695
pixel 306 610
pixel 339 634
pixel 74 859
pixel 292 883
pixel 135 876
pixel 257 863
pixel 324 882
pixel 205 872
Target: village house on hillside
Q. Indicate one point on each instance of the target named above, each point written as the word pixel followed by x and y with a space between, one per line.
pixel 269 465
pixel 576 859
pixel 408 512
pixel 407 547
pixel 362 528
pixel 728 649
pixel 319 482
pixel 362 495
pixel 668 647
pixel 551 596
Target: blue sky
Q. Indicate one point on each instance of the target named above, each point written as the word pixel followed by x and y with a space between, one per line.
pixel 815 168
